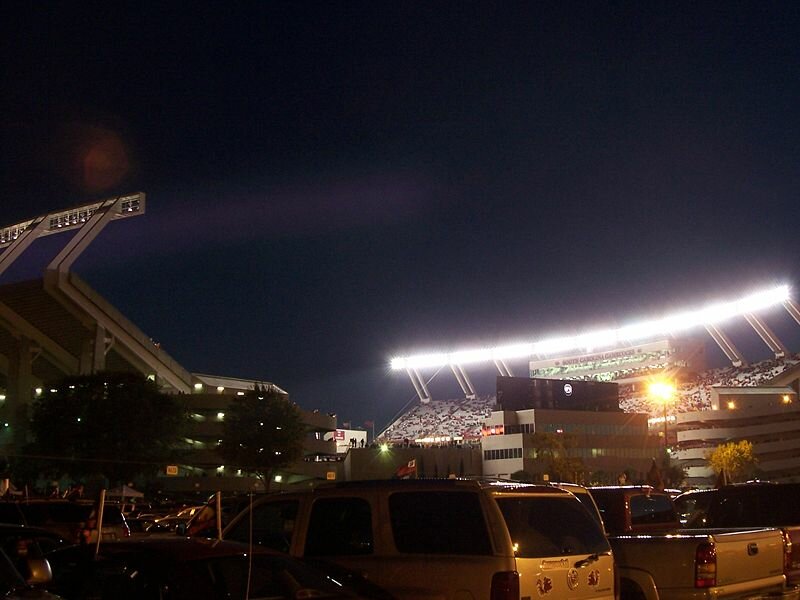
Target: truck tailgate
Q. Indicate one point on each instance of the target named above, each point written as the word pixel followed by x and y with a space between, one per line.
pixel 746 555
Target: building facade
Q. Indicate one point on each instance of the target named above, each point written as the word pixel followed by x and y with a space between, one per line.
pixel 607 443
pixel 203 470
pixel 766 416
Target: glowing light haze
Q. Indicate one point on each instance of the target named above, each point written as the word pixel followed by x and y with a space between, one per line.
pixel 606 338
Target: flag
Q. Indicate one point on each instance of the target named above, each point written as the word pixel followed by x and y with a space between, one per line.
pixel 406 471
pixel 369 423
pixel 346 425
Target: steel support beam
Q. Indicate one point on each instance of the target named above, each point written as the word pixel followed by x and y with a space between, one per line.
pixel 767 335
pixel 19 327
pixel 793 309
pixel 23 241
pixel 502 368
pixel 463 381
pixel 726 345
pixel 419 385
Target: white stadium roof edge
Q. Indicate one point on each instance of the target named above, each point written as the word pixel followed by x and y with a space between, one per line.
pixel 709 317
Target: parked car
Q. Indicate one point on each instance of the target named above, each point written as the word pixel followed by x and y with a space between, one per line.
pixel 756 504
pixel 24 570
pixel 204 521
pixel 189 569
pixel 14 587
pixel 168 524
pixel 441 538
pixel 41 540
pixel 658 560
pixel 585 497
pixel 69 519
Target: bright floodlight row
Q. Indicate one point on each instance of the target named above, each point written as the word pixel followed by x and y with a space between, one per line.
pixel 606 338
pixel 71 218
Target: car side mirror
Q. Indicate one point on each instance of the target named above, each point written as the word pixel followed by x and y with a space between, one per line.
pixel 40 571
pixel 180 529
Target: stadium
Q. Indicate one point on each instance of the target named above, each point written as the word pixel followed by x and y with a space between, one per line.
pixel 54 324
pixel 757 401
pixel 596 386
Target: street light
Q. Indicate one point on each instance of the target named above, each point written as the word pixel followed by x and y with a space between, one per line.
pixel 662 393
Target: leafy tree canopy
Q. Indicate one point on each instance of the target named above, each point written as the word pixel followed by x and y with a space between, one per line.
pixel 672 473
pixel 554 452
pixel 263 431
pixel 115 424
pixel 733 460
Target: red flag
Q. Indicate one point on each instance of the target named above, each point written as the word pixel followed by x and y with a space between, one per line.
pixel 407 470
pixel 369 423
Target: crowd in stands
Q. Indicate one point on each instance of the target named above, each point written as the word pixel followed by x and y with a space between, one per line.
pixel 695 393
pixel 456 419
pixel 443 421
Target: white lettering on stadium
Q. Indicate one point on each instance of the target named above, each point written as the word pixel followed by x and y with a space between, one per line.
pixel 594 358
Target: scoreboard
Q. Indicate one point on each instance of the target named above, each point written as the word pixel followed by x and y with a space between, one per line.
pixel 521 393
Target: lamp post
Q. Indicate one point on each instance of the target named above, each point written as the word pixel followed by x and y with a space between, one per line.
pixel 662 393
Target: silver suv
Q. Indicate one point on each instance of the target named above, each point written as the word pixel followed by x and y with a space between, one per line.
pixel 448 539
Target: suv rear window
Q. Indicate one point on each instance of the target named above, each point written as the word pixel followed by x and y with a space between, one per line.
pixel 439 523
pixel 339 527
pixel 651 508
pixel 546 526
pixel 272 526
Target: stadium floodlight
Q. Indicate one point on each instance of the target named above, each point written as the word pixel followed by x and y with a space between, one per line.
pixel 73 218
pixel 466 357
pixel 511 351
pixel 606 338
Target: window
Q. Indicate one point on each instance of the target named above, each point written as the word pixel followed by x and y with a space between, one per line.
pixel 340 527
pixel 438 523
pixel 503 453
pixel 543 526
pixel 268 578
pixel 273 525
pixel 646 509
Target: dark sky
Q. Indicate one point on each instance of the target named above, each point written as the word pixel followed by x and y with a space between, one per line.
pixel 332 184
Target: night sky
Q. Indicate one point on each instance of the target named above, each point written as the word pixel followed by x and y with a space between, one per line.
pixel 333 184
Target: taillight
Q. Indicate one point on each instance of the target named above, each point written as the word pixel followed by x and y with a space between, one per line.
pixel 705 566
pixel 787 552
pixel 505 586
pixel 126 531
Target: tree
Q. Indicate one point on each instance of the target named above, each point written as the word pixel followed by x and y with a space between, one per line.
pixel 672 473
pixel 732 460
pixel 523 476
pixel 118 425
pixel 263 432
pixel 553 450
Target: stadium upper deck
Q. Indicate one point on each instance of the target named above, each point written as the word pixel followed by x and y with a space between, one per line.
pixel 627 353
pixel 440 421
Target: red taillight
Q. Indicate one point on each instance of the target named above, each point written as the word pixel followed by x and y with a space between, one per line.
pixel 126 531
pixel 787 552
pixel 705 566
pixel 505 586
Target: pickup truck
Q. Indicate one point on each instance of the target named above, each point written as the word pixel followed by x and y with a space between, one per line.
pixel 753 504
pixel 658 560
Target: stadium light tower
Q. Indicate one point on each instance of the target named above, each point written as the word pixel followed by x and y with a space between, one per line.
pixel 662 393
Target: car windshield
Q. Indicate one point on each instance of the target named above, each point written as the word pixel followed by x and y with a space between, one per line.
pixel 546 526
